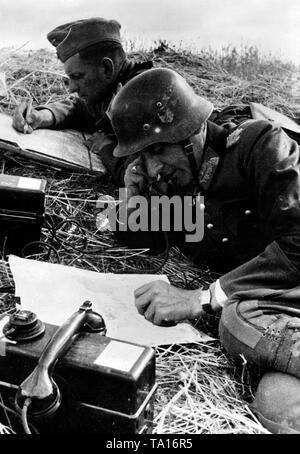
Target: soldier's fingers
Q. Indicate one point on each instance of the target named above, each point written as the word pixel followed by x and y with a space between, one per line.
pixel 18 117
pixel 174 312
pixel 88 142
pixel 22 108
pixel 165 316
pixel 149 313
pixel 131 179
pixel 143 301
pixel 156 286
pixel 27 129
pixel 136 178
pixel 136 166
pixel 136 161
pixel 136 169
pixel 143 288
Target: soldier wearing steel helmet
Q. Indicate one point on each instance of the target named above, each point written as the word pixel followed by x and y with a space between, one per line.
pixel 250 179
pixel 96 65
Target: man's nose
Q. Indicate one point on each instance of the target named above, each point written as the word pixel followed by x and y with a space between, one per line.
pixel 73 88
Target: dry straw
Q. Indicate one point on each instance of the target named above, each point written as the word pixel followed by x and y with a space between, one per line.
pixel 5 430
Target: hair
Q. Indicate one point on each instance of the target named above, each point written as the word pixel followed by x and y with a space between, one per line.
pixel 109 49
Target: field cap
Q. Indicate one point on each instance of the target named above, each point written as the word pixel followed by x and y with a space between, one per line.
pixel 75 36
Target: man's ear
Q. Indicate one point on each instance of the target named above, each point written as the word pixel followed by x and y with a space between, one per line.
pixel 108 68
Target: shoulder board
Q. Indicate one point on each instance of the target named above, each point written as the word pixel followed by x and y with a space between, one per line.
pixel 233 137
pixel 260 112
pixel 252 128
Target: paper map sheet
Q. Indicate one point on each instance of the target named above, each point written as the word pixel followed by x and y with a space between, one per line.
pixel 62 148
pixel 54 292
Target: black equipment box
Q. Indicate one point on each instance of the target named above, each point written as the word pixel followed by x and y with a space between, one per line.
pixel 22 210
pixel 107 386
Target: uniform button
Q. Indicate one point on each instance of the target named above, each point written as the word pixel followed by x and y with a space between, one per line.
pixel 225 240
pixel 202 206
pixel 247 212
pixel 210 226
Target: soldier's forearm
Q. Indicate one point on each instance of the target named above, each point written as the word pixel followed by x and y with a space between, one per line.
pixel 66 114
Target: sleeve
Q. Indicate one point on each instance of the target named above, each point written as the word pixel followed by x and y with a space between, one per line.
pixel 69 113
pixel 272 168
pixel 72 113
pixel 218 296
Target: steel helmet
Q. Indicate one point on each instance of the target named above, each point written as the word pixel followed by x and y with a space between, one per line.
pixel 156 106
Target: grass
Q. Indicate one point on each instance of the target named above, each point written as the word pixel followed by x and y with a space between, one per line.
pixel 200 390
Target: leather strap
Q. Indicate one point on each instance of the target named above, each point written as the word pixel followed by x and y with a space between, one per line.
pixel 189 152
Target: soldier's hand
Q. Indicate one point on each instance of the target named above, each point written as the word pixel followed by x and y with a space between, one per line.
pixel 98 141
pixel 26 118
pixel 135 178
pixel 162 303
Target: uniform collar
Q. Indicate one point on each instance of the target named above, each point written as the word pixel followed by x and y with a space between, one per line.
pixel 216 137
pixel 128 70
pixel 214 148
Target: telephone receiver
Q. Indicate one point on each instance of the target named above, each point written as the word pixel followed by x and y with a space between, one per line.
pixel 39 386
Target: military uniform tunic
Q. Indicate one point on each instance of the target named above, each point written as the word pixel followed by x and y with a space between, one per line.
pixel 250 180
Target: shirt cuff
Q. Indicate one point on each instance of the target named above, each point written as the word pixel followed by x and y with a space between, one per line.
pixel 218 296
pixel 53 114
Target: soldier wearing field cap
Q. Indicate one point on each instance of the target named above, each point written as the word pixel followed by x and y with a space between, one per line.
pixel 250 180
pixel 97 66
